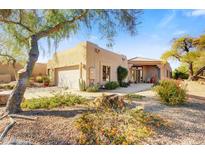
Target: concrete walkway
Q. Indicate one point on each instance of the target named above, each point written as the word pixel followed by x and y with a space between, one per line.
pixel 50 91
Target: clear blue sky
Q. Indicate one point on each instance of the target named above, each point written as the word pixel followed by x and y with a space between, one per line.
pixel 154 36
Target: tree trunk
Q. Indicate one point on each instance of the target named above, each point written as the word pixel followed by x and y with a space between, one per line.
pixel 191 72
pixel 16 97
pixel 14 69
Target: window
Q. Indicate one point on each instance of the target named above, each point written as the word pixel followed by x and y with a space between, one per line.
pixel 49 72
pixel 106 73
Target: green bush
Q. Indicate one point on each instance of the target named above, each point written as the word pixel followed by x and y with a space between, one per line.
pixel 39 79
pixel 111 85
pixel 179 75
pixel 182 72
pixel 93 88
pixel 61 99
pixel 133 96
pixel 121 74
pixel 171 92
pixel 125 84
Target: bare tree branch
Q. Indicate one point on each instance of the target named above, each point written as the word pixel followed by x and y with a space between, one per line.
pixel 7 128
pixel 16 23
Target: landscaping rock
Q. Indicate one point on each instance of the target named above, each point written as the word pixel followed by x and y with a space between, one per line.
pixel 113 101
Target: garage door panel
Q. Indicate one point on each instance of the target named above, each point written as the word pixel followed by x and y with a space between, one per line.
pixel 68 79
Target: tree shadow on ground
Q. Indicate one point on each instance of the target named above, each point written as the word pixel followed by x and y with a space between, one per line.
pixel 195 105
pixel 58 113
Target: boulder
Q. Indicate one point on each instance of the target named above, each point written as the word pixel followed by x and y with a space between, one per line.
pixel 113 101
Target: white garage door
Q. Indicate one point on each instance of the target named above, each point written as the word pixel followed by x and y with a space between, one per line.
pixel 69 79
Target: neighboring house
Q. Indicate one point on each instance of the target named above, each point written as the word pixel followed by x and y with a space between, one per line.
pixel 7 73
pixel 148 70
pixel 88 62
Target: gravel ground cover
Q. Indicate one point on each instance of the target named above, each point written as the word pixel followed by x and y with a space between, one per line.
pixel 187 122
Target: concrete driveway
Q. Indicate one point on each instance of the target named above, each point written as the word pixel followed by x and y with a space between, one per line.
pixel 50 91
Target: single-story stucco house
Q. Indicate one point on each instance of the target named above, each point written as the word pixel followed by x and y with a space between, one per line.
pixel 87 61
pixel 95 65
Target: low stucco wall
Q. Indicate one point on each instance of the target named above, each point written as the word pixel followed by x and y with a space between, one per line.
pixel 7 72
pixel 5 78
pixel 6 69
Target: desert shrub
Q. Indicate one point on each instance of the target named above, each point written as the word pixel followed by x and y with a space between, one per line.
pixel 93 88
pixel 125 84
pixel 130 127
pixel 111 85
pixel 61 99
pixel 171 92
pixel 133 97
pixel 121 74
pixel 46 79
pixel 155 84
pixel 82 85
pixel 39 79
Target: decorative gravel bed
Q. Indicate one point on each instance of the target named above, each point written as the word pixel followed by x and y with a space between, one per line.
pixel 187 122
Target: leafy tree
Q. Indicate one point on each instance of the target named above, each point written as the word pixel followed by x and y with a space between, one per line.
pixel 121 74
pixel 181 72
pixel 27 27
pixel 199 64
pixel 188 51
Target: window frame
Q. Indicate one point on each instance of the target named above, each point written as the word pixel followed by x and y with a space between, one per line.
pixel 106 73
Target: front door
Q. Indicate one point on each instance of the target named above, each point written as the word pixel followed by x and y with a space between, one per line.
pixel 137 74
pixel 138 77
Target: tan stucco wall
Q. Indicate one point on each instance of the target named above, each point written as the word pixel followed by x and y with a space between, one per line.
pixel 164 68
pixel 97 57
pixel 7 70
pixel 39 69
pixel 73 57
pixel 87 55
pixel 5 78
pixel 149 72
